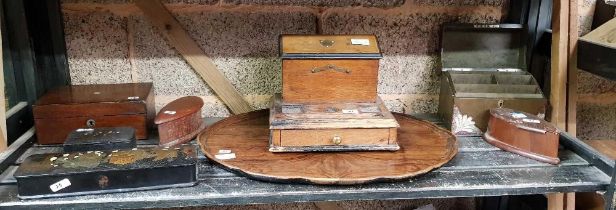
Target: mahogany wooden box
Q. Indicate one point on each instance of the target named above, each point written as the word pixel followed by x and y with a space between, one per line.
pixel 329 68
pixel 331 127
pixel 484 67
pixel 180 121
pixel 524 134
pixel 65 109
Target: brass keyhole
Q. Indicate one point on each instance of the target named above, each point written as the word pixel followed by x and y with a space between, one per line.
pixel 90 123
pixel 337 140
pixel 103 181
pixel 500 103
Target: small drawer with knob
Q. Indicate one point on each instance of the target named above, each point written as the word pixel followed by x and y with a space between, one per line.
pixel 336 137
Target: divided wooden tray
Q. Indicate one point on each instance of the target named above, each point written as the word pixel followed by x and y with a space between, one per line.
pixel 423 147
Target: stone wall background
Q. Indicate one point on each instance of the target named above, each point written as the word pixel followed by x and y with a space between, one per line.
pixel 109 41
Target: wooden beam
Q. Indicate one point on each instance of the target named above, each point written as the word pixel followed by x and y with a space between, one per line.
pixel 3 137
pixel 559 65
pixel 172 30
pixel 556 201
pixel 570 201
pixel 572 80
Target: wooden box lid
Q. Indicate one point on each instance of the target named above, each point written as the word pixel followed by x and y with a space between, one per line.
pixel 179 108
pixel 329 47
pixel 330 115
pixel 483 47
pixel 94 100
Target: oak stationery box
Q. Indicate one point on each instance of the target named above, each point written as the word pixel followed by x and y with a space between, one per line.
pixel 65 109
pixel 329 68
pixel 484 67
pixel 325 127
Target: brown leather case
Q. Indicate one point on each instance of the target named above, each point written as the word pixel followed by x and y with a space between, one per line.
pixel 180 121
pixel 524 134
pixel 65 109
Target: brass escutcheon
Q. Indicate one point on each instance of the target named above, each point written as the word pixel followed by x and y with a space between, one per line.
pixel 326 43
pixel 337 140
pixel 90 123
pixel 500 103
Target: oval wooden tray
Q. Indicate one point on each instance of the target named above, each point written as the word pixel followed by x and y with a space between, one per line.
pixel 423 147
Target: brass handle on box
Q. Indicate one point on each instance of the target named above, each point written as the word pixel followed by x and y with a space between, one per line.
pixel 330 67
pixel 337 140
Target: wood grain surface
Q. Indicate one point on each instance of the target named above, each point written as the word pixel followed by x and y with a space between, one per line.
pixel 330 115
pixel 511 133
pixel 424 146
pixel 356 83
pixel 179 108
pixel 311 44
pixel 326 137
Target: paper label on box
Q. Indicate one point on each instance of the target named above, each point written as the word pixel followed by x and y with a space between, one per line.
pixel 55 187
pixel 227 156
pixel 350 111
pixel 518 115
pixel 365 42
pixel 531 120
pixel 292 109
pixel 224 151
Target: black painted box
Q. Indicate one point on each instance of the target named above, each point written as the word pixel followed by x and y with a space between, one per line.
pixel 92 139
pixel 96 172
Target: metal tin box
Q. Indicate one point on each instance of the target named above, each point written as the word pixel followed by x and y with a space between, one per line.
pixel 484 67
pixel 93 139
pixel 83 173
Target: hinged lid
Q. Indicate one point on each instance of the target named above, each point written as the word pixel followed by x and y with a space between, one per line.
pixel 330 115
pixel 329 47
pixel 94 100
pixel 483 47
pixel 179 108
pixel 83 94
pixel 100 136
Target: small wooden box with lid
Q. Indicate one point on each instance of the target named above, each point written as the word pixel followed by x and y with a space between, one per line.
pixel 329 100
